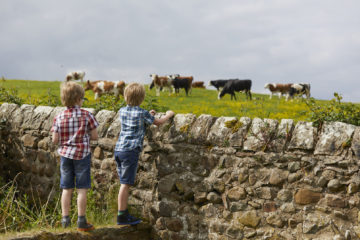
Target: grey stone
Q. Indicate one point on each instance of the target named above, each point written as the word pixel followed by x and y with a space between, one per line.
pixel 237 206
pixel 282 136
pixel 284 195
pixel 47 125
pixel 115 127
pixel 260 134
pixel 293 166
pixel 303 136
pixel 219 132
pixel 355 144
pixel 334 137
pixel 237 137
pixel 181 128
pixel 40 116
pixel 213 197
pixel 21 115
pixel 6 109
pixel 104 118
pixel 277 176
pixel 201 128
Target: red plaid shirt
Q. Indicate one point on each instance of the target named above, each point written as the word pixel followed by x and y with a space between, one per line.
pixel 73 126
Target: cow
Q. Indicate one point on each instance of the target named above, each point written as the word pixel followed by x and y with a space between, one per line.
pixel 218 84
pixel 181 82
pixel 105 87
pixel 160 82
pixel 236 85
pixel 78 75
pixel 300 89
pixel 197 85
pixel 281 89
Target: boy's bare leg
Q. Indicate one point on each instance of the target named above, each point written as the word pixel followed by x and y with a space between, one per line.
pixel 123 197
pixel 81 201
pixel 66 201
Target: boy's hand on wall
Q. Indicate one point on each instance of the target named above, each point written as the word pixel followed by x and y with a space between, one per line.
pixel 152 112
pixel 170 113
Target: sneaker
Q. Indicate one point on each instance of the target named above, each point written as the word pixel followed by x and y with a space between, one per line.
pixel 85 226
pixel 127 219
pixel 65 222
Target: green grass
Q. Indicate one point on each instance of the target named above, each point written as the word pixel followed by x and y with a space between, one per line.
pixel 201 101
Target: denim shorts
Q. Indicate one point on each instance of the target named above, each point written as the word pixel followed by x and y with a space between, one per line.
pixel 75 173
pixel 127 163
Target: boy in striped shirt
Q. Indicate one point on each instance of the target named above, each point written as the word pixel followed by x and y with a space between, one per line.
pixel 72 131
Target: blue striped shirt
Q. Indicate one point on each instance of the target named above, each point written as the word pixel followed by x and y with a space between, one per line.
pixel 134 121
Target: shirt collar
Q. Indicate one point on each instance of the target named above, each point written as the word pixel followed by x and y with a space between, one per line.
pixel 75 107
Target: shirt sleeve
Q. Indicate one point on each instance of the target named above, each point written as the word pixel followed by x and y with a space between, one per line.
pixel 92 122
pixel 148 118
pixel 55 127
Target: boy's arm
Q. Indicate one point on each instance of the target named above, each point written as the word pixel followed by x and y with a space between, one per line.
pixel 94 134
pixel 55 137
pixel 162 120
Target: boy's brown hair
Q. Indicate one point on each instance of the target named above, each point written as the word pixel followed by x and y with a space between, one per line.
pixel 71 93
pixel 134 94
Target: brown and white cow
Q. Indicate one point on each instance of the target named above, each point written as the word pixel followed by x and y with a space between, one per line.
pixel 281 89
pixel 78 75
pixel 105 87
pixel 160 82
pixel 198 85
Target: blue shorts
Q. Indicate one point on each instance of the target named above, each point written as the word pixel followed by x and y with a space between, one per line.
pixel 127 163
pixel 75 173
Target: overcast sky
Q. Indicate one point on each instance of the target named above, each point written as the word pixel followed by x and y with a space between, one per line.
pixel 277 41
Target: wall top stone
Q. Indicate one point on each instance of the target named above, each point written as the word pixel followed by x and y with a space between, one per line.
pixel 244 133
pixel 334 137
pixel 303 136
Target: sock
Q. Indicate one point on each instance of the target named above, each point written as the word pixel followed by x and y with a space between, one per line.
pixel 66 218
pixel 81 219
pixel 122 212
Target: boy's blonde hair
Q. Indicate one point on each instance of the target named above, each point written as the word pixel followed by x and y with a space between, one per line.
pixel 134 94
pixel 71 93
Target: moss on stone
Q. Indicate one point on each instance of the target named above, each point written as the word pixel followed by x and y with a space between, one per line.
pixel 185 128
pixel 234 125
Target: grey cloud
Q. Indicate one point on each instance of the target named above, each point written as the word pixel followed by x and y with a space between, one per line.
pixel 278 41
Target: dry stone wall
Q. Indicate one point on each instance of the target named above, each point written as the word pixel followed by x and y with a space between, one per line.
pixel 213 178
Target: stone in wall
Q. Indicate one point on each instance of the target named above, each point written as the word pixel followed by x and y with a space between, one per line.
pixel 355 145
pixel 47 125
pixel 260 134
pixel 282 136
pixel 303 136
pixel 239 131
pixel 104 118
pixel 334 138
pixel 179 131
pixel 38 118
pixel 20 115
pixel 158 133
pixel 114 130
pixel 6 109
pixel 219 132
pixel 201 128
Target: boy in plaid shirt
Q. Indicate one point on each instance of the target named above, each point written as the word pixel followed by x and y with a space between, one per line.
pixel 72 130
pixel 134 121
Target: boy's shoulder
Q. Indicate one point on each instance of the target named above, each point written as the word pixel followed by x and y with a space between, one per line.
pixel 132 109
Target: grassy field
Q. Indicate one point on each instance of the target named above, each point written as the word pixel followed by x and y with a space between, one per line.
pixel 201 101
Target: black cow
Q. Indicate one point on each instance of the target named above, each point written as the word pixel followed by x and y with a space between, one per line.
pixel 181 82
pixel 218 84
pixel 236 85
pixel 299 89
